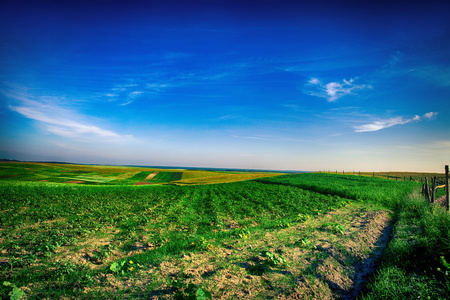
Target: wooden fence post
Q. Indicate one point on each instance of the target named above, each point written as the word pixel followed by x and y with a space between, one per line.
pixel 433 189
pixel 426 190
pixel 446 188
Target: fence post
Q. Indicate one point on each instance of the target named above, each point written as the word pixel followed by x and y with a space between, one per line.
pixel 446 187
pixel 433 189
pixel 427 190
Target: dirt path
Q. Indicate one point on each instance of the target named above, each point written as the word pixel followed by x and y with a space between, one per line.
pixel 346 261
pixel 150 177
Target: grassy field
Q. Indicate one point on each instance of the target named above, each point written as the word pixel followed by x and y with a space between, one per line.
pixel 117 175
pixel 395 175
pixel 299 236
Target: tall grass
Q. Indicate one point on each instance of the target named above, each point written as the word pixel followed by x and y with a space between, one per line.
pixel 415 264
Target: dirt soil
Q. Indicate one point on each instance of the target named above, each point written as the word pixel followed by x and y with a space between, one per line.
pixel 150 177
pixel 74 181
pixel 143 183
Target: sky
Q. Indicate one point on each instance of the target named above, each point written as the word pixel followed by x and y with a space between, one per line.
pixel 279 85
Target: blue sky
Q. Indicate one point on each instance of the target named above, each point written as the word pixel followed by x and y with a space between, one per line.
pixel 285 85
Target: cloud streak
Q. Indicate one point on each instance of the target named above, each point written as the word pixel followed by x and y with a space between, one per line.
pixel 332 91
pixel 386 123
pixel 60 125
pixel 59 120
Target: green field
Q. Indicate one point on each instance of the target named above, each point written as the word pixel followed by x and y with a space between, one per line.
pixel 116 175
pixel 293 236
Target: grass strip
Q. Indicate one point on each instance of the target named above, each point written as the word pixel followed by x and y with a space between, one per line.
pixel 415 264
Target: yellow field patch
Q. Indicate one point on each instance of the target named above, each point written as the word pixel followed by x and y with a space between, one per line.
pixel 213 178
pixel 150 177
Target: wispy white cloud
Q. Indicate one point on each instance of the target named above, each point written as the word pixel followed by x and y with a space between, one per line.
pixel 132 97
pixel 314 81
pixel 386 123
pixel 57 122
pixel 229 117
pixel 418 65
pixel 251 137
pixel 57 119
pixel 430 115
pixel 394 59
pixel 157 87
pixel 123 87
pixel 332 91
pixel 381 124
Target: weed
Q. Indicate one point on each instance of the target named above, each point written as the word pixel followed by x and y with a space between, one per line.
pixel 301 218
pixel 242 233
pixel 124 267
pixel 202 244
pixel 333 227
pixel 189 291
pixel 446 265
pixel 304 243
pixel 63 269
pixel 273 259
pixel 283 224
pixel 102 254
pixel 15 293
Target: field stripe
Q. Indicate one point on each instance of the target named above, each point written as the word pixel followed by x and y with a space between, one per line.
pixel 150 177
